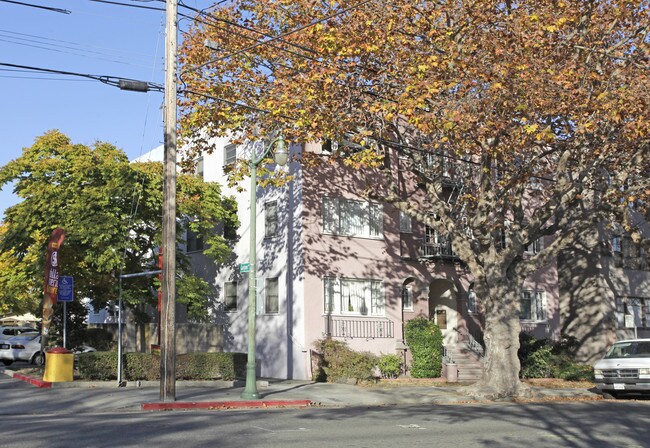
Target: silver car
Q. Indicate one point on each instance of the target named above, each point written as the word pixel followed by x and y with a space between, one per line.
pixel 9 331
pixel 625 368
pixel 26 347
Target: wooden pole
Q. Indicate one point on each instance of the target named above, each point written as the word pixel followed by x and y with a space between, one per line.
pixel 167 312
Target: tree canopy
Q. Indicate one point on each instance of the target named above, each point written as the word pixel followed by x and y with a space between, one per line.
pixel 111 211
pixel 540 107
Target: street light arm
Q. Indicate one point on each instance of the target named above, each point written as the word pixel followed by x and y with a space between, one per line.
pixel 281 152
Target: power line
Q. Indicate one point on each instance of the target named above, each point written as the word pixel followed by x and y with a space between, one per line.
pixel 122 83
pixel 74 45
pixel 31 5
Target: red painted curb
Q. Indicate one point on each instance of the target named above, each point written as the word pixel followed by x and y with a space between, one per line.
pixel 33 381
pixel 224 404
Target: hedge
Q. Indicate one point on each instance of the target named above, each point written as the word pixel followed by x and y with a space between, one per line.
pixel 424 339
pixel 146 366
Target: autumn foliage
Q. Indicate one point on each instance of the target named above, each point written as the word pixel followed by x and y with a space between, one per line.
pixel 543 104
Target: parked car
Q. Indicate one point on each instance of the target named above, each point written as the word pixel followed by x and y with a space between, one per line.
pixel 625 368
pixel 25 347
pixel 10 331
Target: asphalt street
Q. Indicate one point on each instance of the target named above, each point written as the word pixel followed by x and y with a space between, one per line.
pixel 341 416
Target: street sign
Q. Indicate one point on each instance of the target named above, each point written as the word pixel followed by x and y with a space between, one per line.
pixel 245 267
pixel 66 289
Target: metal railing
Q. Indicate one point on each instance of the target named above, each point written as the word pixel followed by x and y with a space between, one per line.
pixel 447 357
pixel 473 341
pixel 442 250
pixel 342 327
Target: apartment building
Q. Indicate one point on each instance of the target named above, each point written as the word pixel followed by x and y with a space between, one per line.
pixel 332 264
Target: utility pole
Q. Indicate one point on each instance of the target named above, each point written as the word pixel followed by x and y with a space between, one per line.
pixel 168 309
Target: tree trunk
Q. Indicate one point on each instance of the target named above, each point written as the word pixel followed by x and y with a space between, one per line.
pixel 501 333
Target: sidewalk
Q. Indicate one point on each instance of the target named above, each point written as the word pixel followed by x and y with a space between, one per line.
pixel 106 396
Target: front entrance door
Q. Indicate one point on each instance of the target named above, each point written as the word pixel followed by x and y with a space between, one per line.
pixel 442 309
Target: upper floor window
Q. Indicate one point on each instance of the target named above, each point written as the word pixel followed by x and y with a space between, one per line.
pixel 352 218
pixel 230 154
pixel 405 223
pixel 628 254
pixel 533 306
pixel 536 246
pixel 270 219
pixel 354 296
pixel 194 242
pixel 472 306
pixel 199 167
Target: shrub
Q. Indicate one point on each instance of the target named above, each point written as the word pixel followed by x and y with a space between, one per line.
pixel 389 366
pixel 424 339
pixel 146 366
pixel 339 363
pixel 100 366
pixel 540 358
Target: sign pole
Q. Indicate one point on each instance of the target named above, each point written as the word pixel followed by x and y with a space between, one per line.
pixel 65 323
pixel 65 294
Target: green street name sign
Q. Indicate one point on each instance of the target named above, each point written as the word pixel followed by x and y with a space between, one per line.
pixel 245 267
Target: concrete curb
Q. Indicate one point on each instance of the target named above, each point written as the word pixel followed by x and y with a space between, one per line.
pixel 180 405
pixel 32 381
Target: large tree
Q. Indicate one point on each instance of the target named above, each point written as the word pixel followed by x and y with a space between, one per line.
pixel 541 106
pixel 111 211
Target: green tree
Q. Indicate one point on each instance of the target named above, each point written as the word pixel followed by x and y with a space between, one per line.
pixel 111 211
pixel 540 108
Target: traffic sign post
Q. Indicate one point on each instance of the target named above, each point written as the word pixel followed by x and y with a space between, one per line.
pixel 65 295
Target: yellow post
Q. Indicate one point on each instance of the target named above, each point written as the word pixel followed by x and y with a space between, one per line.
pixel 59 365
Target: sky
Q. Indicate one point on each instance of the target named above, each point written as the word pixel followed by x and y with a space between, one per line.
pixel 97 39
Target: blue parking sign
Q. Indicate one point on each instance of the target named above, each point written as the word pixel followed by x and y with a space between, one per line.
pixel 66 289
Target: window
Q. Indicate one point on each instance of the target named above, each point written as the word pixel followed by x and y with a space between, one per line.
pixel 471 302
pixel 536 246
pixel 628 254
pixel 354 296
pixel 194 242
pixel 404 223
pixel 230 296
pixel 533 306
pixel 271 219
pixel 271 297
pixel 199 167
pixel 230 154
pixel 407 297
pixel 352 218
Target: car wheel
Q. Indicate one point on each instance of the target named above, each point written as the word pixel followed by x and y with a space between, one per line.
pixel 38 359
pixel 7 362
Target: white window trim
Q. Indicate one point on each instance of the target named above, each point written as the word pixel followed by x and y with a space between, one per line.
pixel 535 295
pixel 334 214
pixel 374 296
pixel 226 160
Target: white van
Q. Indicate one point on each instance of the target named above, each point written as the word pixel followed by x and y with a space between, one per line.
pixel 625 368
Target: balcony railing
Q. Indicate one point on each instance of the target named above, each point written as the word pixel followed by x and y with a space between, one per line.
pixel 342 327
pixel 437 250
